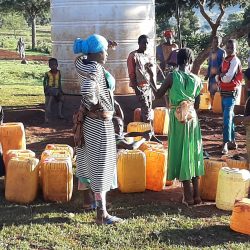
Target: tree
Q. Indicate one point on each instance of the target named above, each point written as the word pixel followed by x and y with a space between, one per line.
pixel 13 21
pixel 189 23
pixel 30 9
pixel 164 7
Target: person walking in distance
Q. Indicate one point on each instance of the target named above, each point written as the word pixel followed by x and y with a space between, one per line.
pixel 21 49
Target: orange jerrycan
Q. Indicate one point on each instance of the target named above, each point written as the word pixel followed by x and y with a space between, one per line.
pixel 21 182
pixel 57 179
pixel 131 168
pixel 23 153
pixel 217 105
pixel 240 219
pixel 138 127
pixel 208 182
pixel 156 169
pixel 60 147
pixel 12 136
pixel 161 120
pixel 205 102
pixel 240 164
pixel 63 153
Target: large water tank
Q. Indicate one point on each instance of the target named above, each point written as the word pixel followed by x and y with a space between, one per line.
pixel 122 21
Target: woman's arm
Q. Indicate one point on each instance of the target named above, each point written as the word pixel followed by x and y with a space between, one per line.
pixel 167 84
pixel 131 69
pixel 90 85
pixel 118 110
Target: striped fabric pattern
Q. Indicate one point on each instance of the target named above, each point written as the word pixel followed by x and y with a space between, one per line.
pixel 96 160
pixel 1 115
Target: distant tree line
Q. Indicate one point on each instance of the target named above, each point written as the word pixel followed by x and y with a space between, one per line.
pixel 32 10
pixel 237 25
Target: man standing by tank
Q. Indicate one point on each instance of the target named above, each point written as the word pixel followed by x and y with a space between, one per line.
pixel 139 78
pixel 163 52
pixel 137 63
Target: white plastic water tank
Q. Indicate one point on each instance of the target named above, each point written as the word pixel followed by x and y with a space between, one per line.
pixel 120 20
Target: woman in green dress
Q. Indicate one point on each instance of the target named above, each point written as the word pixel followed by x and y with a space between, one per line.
pixel 185 152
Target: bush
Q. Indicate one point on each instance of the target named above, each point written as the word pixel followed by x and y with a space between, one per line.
pixel 42 46
pixel 8 42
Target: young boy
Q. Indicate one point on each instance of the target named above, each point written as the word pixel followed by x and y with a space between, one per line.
pixel 53 89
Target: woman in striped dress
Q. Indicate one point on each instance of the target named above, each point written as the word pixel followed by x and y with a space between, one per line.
pixel 96 160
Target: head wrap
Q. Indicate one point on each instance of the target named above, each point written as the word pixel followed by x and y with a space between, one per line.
pixel 168 33
pixel 93 44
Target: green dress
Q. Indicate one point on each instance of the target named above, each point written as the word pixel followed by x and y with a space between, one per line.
pixel 185 152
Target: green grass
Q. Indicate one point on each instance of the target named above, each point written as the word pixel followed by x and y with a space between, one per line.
pixel 9 41
pixel 149 225
pixel 21 84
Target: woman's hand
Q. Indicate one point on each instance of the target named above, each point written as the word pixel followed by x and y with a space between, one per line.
pixel 112 44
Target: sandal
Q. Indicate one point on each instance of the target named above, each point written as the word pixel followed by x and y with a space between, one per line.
pixel 110 220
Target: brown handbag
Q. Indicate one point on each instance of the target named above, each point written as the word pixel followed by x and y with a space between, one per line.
pixel 78 118
pixel 184 112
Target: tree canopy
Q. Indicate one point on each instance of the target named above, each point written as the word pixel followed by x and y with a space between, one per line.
pixel 237 29
pixel 30 9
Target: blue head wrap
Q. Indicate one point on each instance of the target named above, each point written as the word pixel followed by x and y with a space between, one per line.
pixel 93 44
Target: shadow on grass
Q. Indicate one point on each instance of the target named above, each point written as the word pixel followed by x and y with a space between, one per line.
pixel 201 237
pixel 148 203
pixel 134 205
pixel 24 214
pixel 157 203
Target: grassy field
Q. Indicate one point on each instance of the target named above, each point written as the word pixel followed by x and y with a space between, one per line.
pixel 21 84
pixel 9 41
pixel 153 221
pixel 150 225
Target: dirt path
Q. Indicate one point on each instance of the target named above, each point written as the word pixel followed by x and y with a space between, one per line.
pixel 59 131
pixel 11 55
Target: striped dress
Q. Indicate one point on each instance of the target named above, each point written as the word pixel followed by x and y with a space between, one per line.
pixel 1 115
pixel 96 160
